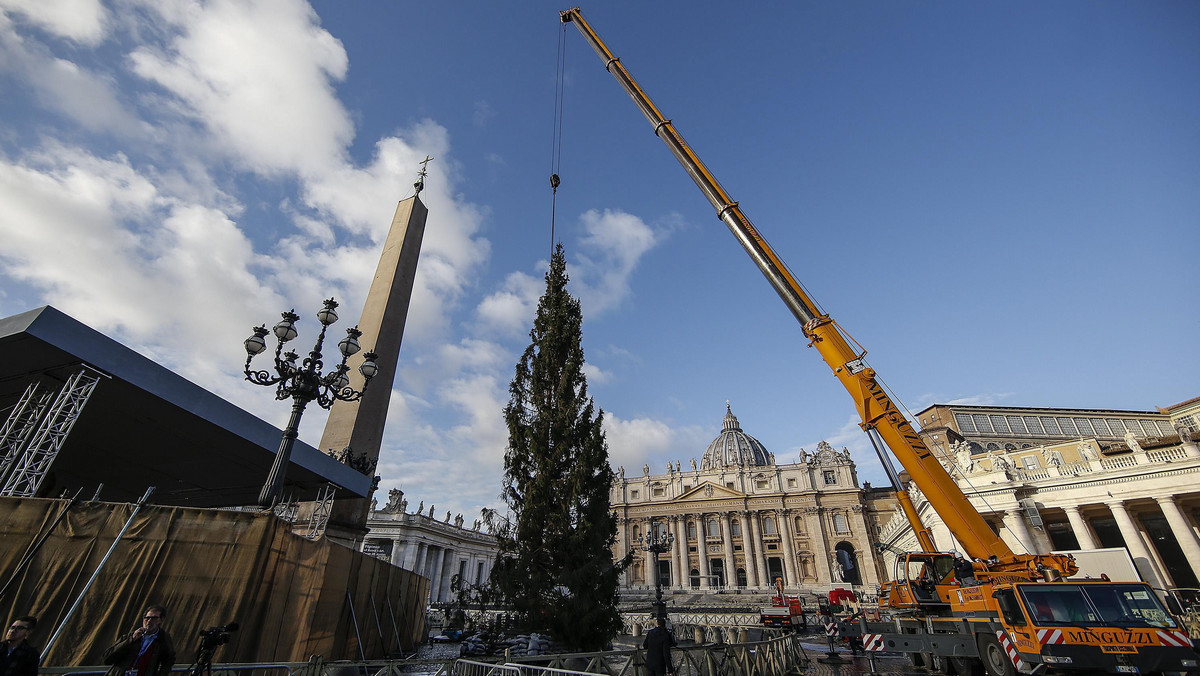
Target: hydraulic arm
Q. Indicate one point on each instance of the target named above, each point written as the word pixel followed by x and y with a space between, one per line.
pixel 876 409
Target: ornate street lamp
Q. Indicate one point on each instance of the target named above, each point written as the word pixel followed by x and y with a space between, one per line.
pixel 657 542
pixel 304 383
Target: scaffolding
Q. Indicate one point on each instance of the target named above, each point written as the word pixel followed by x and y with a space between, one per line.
pixel 320 515
pixel 36 431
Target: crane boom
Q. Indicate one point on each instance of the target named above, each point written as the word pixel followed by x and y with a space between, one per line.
pixel 875 407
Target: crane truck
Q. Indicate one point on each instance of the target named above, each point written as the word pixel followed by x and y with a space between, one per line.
pixel 1018 615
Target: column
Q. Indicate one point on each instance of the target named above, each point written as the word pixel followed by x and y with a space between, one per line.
pixel 727 546
pixel 417 558
pixel 702 549
pixel 750 549
pixel 814 517
pixel 760 558
pixel 449 570
pixel 1079 526
pixel 1014 521
pixel 1135 544
pixel 397 552
pixel 679 552
pixel 1182 531
pixel 789 549
pixel 434 576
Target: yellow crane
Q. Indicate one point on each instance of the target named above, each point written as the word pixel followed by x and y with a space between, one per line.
pixel 1011 619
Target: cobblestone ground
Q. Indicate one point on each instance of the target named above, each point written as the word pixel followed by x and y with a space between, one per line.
pixel 847 664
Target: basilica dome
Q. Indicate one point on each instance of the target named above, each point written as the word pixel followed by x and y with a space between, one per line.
pixel 734 448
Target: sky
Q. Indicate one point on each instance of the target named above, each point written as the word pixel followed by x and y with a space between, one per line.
pixel 1000 201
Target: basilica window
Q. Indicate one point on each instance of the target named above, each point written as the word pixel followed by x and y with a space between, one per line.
pixel 791 483
pixel 1031 462
pixel 658 492
pixel 830 477
pixel 769 526
pixel 633 495
pixel 713 530
pixel 691 530
pixel 1188 422
pixel 637 532
pixel 839 524
pixel 761 484
pixel 799 524
pixel 735 527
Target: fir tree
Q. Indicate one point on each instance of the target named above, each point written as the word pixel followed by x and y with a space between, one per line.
pixel 555 567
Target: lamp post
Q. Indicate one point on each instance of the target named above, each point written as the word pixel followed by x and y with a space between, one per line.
pixel 657 542
pixel 304 383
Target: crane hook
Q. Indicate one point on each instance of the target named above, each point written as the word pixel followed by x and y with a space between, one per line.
pixel 554 181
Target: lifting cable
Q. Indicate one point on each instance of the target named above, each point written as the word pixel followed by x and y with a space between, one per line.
pixel 556 142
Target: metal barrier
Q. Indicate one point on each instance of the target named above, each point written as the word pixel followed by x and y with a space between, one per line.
pixel 773 657
pixel 238 668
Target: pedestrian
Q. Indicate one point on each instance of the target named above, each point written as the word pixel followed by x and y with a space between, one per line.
pixel 658 645
pixel 146 651
pixel 18 657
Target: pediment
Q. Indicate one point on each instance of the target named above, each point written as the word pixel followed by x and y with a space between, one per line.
pixel 710 491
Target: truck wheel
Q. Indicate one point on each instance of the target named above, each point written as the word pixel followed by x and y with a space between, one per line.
pixel 966 666
pixel 995 660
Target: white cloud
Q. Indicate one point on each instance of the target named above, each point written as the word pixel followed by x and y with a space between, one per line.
pixel 87 97
pixel 639 441
pixel 83 21
pixel 596 375
pixel 610 249
pixel 511 310
pixel 258 76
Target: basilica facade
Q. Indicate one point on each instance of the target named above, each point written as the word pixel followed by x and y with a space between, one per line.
pixel 740 520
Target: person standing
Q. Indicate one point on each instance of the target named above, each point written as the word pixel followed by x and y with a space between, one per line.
pixel 146 651
pixel 658 649
pixel 17 656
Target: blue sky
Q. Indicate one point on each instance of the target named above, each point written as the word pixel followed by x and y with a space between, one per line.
pixel 999 200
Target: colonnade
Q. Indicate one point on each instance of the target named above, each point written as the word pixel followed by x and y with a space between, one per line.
pixel 440 563
pixel 1125 514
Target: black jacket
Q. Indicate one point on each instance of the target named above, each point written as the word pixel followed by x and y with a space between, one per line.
pixel 22 661
pixel 122 654
pixel 658 649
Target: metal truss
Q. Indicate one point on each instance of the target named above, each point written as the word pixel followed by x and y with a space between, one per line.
pixel 33 461
pixel 288 510
pixel 20 426
pixel 320 515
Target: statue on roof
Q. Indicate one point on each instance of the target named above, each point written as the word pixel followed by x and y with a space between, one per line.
pixel 1086 450
pixel 393 504
pixel 693 460
pixel 962 456
pixel 1132 442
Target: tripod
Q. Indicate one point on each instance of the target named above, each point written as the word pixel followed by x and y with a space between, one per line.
pixel 203 664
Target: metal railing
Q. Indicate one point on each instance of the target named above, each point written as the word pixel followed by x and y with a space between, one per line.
pixel 772 657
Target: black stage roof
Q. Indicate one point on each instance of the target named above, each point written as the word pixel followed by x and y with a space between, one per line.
pixel 145 425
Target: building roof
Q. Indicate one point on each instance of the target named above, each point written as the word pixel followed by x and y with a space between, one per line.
pixel 1028 409
pixel 734 448
pixel 145 425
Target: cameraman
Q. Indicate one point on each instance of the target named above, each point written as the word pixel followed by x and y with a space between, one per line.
pixel 147 651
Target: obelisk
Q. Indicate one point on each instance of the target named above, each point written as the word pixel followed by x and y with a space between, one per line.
pixel 357 427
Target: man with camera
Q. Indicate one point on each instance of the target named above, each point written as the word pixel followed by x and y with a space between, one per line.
pixel 146 651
